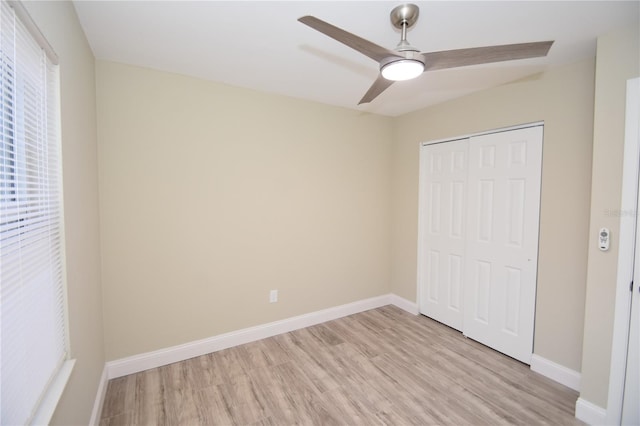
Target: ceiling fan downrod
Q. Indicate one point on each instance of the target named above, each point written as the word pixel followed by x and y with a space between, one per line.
pixel 404 17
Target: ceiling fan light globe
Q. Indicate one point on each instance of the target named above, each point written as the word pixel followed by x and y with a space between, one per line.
pixel 403 69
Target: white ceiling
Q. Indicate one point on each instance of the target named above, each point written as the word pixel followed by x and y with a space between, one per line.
pixel 260 45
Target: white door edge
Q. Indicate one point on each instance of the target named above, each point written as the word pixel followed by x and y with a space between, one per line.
pixel 627 233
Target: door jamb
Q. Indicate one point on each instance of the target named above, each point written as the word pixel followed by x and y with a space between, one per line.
pixel 628 216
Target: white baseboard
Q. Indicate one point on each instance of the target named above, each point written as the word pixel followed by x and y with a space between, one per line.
pixel 145 361
pixel 99 402
pixel 559 373
pixel 404 304
pixel 590 413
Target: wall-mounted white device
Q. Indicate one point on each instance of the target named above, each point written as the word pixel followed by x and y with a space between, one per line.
pixel 603 239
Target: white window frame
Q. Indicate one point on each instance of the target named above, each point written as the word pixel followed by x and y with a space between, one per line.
pixel 42 411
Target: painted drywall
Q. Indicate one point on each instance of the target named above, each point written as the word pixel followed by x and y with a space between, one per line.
pixel 618 60
pixel 211 196
pixel 563 98
pixel 59 24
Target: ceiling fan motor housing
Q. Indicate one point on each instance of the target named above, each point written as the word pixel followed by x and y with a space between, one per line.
pixel 404 55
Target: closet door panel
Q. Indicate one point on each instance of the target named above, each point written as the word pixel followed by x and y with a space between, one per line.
pixel 443 222
pixel 502 240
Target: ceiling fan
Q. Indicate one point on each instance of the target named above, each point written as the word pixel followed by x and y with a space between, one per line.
pixel 406 62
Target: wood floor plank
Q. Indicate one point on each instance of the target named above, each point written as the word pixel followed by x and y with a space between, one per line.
pixel 213 406
pixel 379 367
pixel 124 418
pixel 120 396
pixel 243 401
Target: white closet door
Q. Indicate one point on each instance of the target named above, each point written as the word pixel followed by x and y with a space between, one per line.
pixel 631 400
pixel 443 220
pixel 502 240
pixel 631 405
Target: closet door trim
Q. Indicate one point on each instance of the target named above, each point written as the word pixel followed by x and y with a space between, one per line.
pixel 487 132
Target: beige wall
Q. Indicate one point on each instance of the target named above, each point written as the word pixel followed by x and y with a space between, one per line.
pixel 213 195
pixel 617 61
pixel 59 24
pixel 563 98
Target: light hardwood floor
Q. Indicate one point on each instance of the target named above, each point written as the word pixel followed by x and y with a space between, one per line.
pixel 383 366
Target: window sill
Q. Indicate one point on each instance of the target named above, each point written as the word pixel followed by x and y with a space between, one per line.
pixel 52 397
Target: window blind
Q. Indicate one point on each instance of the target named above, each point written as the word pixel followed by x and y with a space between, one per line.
pixel 32 300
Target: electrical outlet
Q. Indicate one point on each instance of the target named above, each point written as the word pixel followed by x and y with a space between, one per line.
pixel 273 296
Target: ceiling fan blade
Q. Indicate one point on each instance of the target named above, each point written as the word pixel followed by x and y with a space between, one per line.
pixel 484 55
pixel 372 50
pixel 380 85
